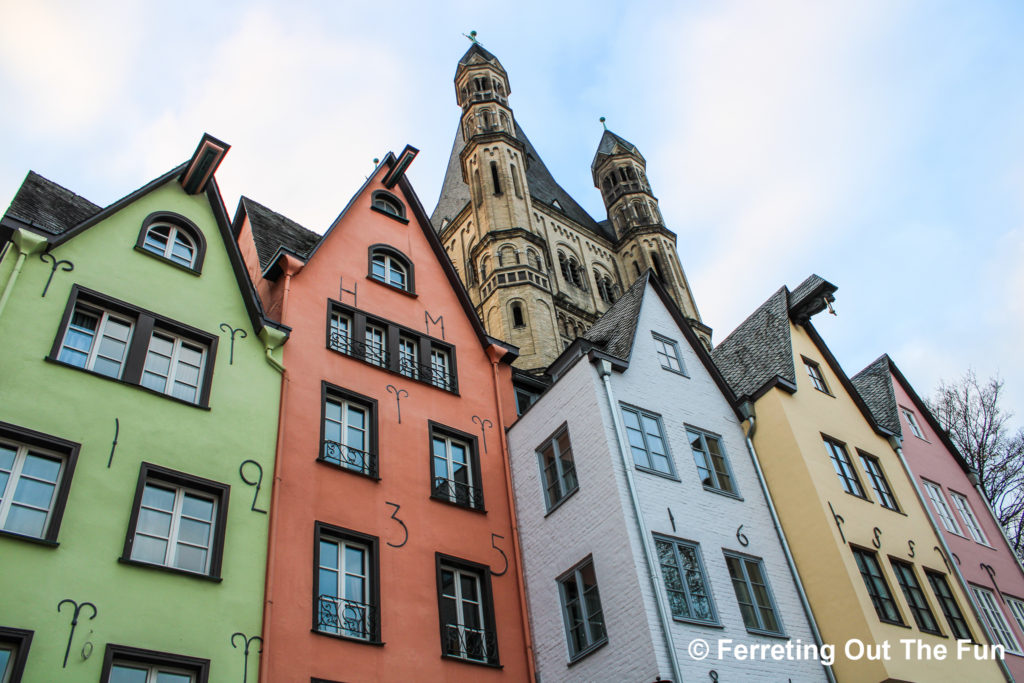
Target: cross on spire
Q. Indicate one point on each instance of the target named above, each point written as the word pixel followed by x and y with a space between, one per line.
pixel 472 37
pixel 603 123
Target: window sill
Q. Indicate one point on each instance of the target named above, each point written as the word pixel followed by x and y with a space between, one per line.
pixel 400 219
pixel 349 639
pixel 827 393
pixel 406 292
pixel 139 387
pixel 864 498
pixel 589 651
pixel 171 570
pixel 712 489
pixel 158 257
pixel 448 501
pixel 659 473
pixel 359 473
pixel 767 634
pixel 29 539
pixel 561 500
pixel 895 623
pixel 697 622
pixel 476 662
pixel 675 372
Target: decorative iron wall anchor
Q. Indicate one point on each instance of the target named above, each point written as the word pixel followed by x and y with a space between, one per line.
pixel 430 319
pixel 742 537
pixel 113 446
pixel 258 483
pixel 671 519
pixel 877 540
pixel 503 555
pixel 713 675
pixel 990 570
pixel 66 266
pixel 74 622
pixel 910 544
pixel 394 516
pixel 245 652
pixel 484 424
pixel 342 292
pixel 943 556
pixel 399 393
pixel 839 521
pixel 233 331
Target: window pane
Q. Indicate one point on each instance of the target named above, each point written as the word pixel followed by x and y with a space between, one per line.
pixel 124 674
pixel 158 497
pixel 194 533
pixel 167 677
pixel 27 521
pixel 147 549
pixel 191 558
pixel 200 508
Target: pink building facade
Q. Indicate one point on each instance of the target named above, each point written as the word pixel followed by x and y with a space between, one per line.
pixel 993 574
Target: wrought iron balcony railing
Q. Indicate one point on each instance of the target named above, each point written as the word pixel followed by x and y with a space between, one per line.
pixel 472 644
pixel 440 377
pixel 348 618
pixel 351 458
pixel 371 353
pixel 459 493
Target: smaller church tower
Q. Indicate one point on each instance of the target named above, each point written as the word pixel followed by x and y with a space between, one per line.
pixel 620 173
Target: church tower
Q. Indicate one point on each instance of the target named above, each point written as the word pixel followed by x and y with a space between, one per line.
pixel 538 268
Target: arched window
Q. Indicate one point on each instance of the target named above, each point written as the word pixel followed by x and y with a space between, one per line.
pixel 656 262
pixel 390 266
pixel 505 125
pixel 577 273
pixel 517 315
pixel 487 119
pixel 476 186
pixel 174 238
pixel 641 211
pixel 515 181
pixel 495 179
pixel 387 203
pixel 604 287
pixel 485 264
pixel 636 267
pixel 533 260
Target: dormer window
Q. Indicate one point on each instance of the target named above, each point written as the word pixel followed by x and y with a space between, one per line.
pixel 389 205
pixel 391 267
pixel 173 238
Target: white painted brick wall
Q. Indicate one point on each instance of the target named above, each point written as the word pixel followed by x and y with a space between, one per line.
pixel 598 520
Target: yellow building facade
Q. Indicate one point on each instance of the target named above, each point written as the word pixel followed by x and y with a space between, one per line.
pixel 874 568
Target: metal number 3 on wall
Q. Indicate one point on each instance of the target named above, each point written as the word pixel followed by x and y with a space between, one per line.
pixel 258 483
pixel 394 516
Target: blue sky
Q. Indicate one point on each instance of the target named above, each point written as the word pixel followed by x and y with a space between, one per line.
pixel 878 144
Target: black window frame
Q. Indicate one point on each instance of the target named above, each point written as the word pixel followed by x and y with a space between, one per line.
pixel 906 579
pixel 68 450
pixel 878 600
pixel 483 573
pixel 21 640
pixel 355 347
pixel 394 253
pixel 564 490
pixel 372 543
pixel 388 197
pixel 195 665
pixel 151 472
pixel 477 503
pixel 814 373
pixel 596 643
pixel 332 391
pixel 844 479
pixel 181 223
pixel 145 322
pixel 958 625
pixel 879 482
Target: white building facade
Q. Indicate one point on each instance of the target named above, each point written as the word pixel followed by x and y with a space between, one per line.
pixel 644 527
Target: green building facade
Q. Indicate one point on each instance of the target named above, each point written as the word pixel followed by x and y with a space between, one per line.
pixel 139 391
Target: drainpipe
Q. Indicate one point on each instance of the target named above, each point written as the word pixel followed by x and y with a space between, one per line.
pixel 27 243
pixel 747 409
pixel 495 353
pixel 604 368
pixel 896 443
pixel 291 266
pixel 972 477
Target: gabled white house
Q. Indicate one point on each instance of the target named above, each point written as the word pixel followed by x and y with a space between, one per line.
pixel 643 522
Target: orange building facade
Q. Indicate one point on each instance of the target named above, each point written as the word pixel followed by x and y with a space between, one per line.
pixel 393 551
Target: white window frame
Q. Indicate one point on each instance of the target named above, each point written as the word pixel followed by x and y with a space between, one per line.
pixel 340 336
pixel 346 458
pixel 171 379
pixel 173 235
pixel 342 573
pixel 409 357
pixel 440 369
pixel 390 266
pixel 915 427
pixel 583 603
pixel 176 513
pixel 963 506
pixel 451 492
pixel 460 612
pixel 152 670
pixel 1017 608
pixel 942 508
pixel 376 353
pixel 668 354
pixel 102 317
pixel 995 619
pixel 15 476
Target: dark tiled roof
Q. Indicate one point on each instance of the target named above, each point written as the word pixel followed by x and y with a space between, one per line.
pixel 615 330
pixel 874 384
pixel 760 349
pixel 271 231
pixel 477 49
pixel 606 147
pixel 542 185
pixel 805 289
pixel 45 205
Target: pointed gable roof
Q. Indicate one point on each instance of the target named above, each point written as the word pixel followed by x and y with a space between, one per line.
pixel 542 186
pixel 614 331
pixel 612 144
pixel 272 232
pixel 874 383
pixel 44 206
pixel 475 54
